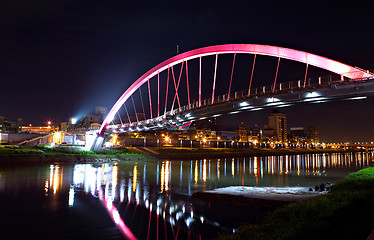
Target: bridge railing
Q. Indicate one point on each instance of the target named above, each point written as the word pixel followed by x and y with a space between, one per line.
pixel 309 83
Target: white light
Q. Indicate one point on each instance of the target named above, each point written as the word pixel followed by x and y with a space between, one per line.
pixel 272 99
pixel 234 112
pixel 245 108
pixel 314 99
pixel 116 217
pixel 73 120
pixel 285 105
pixel 312 95
pixel 71 196
pixel 274 104
pixel 256 109
pixel 187 115
pixel 319 101
pixel 357 98
pixel 243 104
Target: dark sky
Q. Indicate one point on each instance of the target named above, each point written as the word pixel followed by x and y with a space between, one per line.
pixel 62 58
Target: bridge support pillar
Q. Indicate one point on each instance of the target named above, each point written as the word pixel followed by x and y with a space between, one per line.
pixel 97 144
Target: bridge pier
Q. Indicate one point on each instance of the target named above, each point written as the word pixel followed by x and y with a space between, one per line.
pixel 97 144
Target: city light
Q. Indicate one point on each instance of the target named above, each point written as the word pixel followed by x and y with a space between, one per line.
pixel 73 120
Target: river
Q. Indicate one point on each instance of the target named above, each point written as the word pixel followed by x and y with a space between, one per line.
pixel 149 199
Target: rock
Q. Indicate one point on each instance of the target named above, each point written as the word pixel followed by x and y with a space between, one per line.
pixel 322 187
pixel 310 189
pixel 316 188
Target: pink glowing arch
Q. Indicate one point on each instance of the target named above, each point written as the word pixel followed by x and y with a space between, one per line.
pixel 286 53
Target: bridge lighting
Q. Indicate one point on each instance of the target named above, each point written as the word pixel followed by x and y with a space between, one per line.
pixel 167 139
pixel 285 105
pixel 357 98
pixel 245 108
pixel 274 104
pixel 256 109
pixel 320 101
pixel 312 95
pixel 272 99
pixel 187 115
pixel 234 112
pixel 243 104
pixel 315 99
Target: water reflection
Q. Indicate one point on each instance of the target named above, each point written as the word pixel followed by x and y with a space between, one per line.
pixel 151 199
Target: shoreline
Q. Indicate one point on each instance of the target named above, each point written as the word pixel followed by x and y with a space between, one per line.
pixel 193 154
pixel 43 155
pixel 68 159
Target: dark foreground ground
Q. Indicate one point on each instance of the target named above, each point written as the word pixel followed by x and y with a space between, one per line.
pixel 344 213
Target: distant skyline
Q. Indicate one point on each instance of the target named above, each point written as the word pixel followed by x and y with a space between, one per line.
pixel 63 58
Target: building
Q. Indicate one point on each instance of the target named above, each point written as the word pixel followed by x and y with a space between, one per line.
pixel 101 111
pixel 278 122
pixel 242 133
pixel 88 122
pixel 312 135
pixel 213 123
pixel 9 126
pixel 297 134
pixel 256 133
pixel 198 134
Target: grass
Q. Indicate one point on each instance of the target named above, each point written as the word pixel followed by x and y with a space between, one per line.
pixel 40 150
pixel 344 213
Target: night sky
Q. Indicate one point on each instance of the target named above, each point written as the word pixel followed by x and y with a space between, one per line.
pixel 62 58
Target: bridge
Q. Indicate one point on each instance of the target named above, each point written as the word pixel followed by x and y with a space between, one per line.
pixel 353 83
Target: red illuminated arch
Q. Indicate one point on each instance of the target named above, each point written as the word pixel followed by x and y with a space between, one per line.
pixel 286 53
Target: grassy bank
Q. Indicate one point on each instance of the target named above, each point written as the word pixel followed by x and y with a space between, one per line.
pixel 192 153
pixel 27 154
pixel 345 213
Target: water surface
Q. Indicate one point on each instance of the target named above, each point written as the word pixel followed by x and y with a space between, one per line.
pixel 149 199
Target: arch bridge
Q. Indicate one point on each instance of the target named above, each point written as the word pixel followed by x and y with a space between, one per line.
pixel 353 83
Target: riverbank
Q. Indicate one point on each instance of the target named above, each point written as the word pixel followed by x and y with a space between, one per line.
pixel 344 213
pixel 199 153
pixel 44 154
